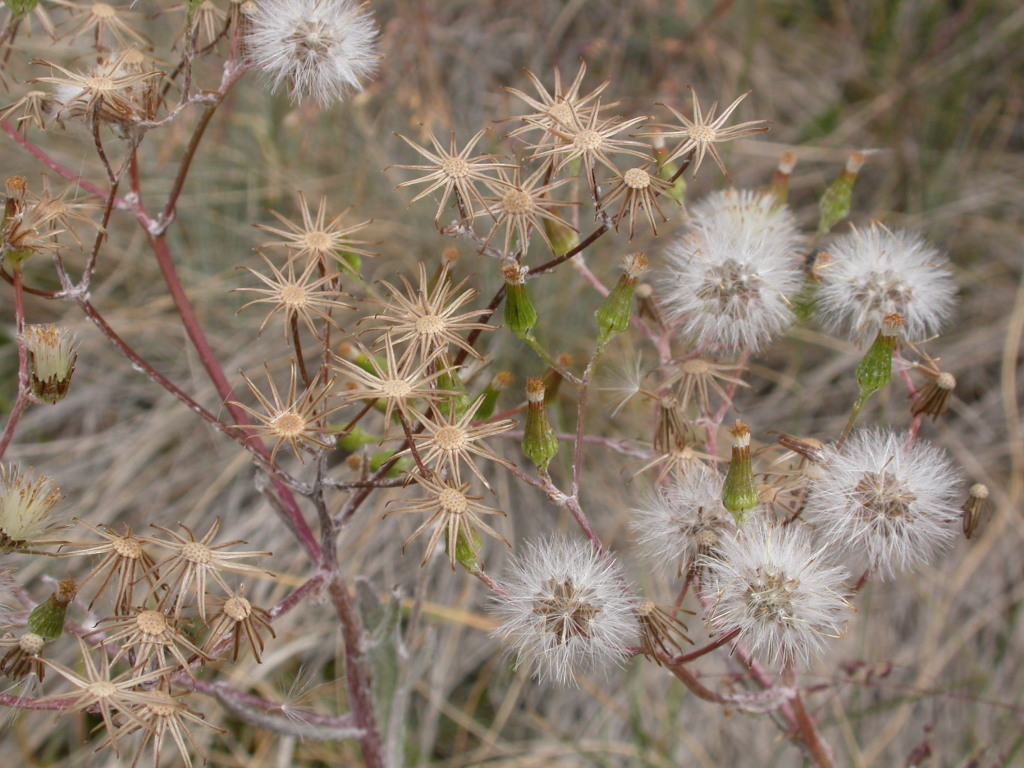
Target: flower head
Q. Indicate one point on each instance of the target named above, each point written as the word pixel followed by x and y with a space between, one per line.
pixel 566 610
pixel 52 357
pixel 318 239
pixel 875 272
pixel 98 691
pixel 296 419
pixel 454 515
pixel 732 274
pixel 705 130
pixel 453 171
pixel 771 584
pixel 319 48
pixel 27 502
pixel 557 107
pixel 887 506
pixel 428 318
pixel 449 441
pixel 678 522
pixel 307 296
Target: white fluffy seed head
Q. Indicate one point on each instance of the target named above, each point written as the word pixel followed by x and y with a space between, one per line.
pixel 567 610
pixel 876 272
pixel 731 276
pixel 772 584
pixel 678 522
pixel 322 49
pixel 886 507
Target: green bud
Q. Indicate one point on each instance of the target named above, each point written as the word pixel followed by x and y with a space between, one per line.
pixel 356 439
pixel 539 442
pixel 450 381
pixel 739 492
pixel 875 369
pixel 553 379
pixel 378 460
pixel 835 203
pixel 353 262
pixel 667 170
pixel 47 619
pixel 520 316
pixel 614 312
pixel 502 380
pixel 20 8
pixel 466 549
pixel 563 238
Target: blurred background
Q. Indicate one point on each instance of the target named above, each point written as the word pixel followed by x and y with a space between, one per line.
pixel 931 672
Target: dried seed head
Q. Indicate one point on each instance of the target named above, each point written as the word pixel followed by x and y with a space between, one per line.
pixel 886 506
pixel 778 590
pixel 565 610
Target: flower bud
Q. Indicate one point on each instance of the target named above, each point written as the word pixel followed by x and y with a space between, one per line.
pixel 52 357
pixel 667 170
pixel 381 458
pixel 502 380
pixel 520 316
pixel 20 8
pixel 47 619
pixel 613 314
pixel 466 549
pixel 779 186
pixel 450 381
pixel 355 439
pixel 975 508
pixel 835 203
pixel 553 379
pixel 539 442
pixel 875 370
pixel 563 238
pixel 739 492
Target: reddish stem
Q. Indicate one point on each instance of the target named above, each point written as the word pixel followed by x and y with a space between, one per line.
pixel 22 398
pixel 357 679
pixel 53 165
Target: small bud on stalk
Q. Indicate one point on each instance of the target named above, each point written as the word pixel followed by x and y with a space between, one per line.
pixel 539 442
pixel 875 370
pixel 739 493
pixel 47 619
pixel 835 203
pixel 779 186
pixel 563 238
pixel 553 378
pixel 975 508
pixel 520 316
pixel 613 314
pixel 52 357
pixel 501 381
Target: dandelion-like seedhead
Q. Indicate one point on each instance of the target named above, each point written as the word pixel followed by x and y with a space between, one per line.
pixel 731 276
pixel 875 272
pixel 888 507
pixel 322 49
pixel 676 523
pixel 566 610
pixel 780 592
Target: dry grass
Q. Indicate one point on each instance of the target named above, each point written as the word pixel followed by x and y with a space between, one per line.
pixel 932 89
